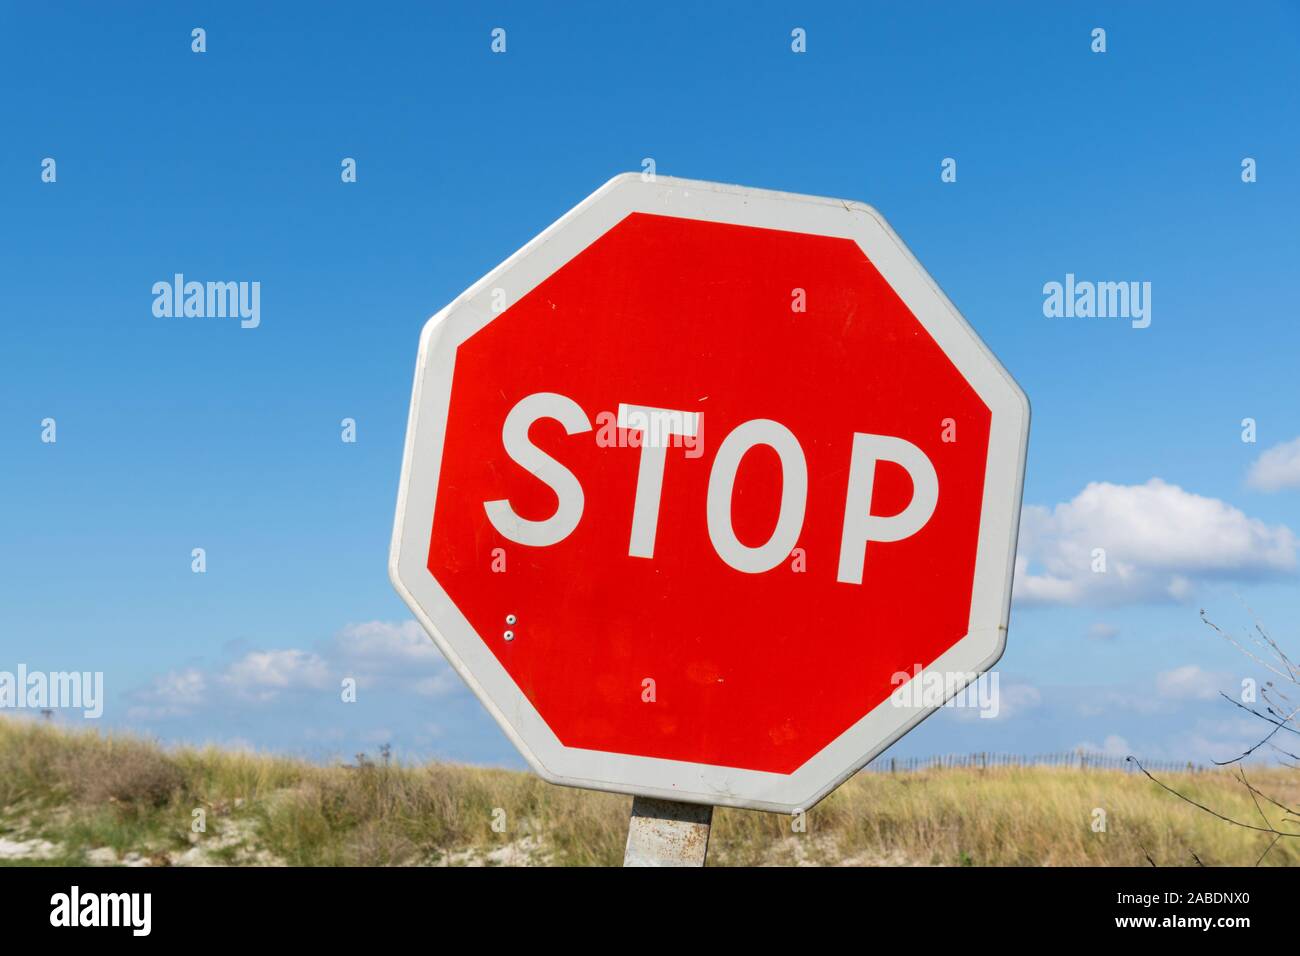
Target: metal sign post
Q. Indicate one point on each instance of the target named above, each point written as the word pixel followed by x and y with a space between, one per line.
pixel 667 833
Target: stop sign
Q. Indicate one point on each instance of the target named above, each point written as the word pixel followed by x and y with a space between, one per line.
pixel 697 481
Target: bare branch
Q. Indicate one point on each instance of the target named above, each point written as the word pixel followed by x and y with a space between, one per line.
pixel 1282 724
pixel 1277 649
pixel 1265 853
pixel 1248 652
pixel 1201 806
pixel 1256 792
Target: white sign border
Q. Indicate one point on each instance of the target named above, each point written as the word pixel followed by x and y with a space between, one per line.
pixel 974 654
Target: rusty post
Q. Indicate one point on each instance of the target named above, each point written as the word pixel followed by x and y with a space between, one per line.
pixel 667 833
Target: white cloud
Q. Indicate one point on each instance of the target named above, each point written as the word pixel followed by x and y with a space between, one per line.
pixel 386 655
pixel 263 674
pixel 1102 631
pixel 1189 682
pixel 1015 699
pixel 1162 693
pixel 1223 739
pixel 990 699
pixel 1159 542
pixel 1277 468
pixel 386 645
pixel 290 698
pixel 393 654
pixel 174 694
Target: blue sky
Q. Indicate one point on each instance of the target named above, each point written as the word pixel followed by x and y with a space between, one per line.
pixel 183 433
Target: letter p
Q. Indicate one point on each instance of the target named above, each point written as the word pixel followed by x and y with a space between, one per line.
pixel 860 525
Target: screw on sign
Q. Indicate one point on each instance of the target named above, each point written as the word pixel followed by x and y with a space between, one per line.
pixel 689 479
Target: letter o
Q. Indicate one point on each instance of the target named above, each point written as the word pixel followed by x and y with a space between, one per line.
pixel 794 495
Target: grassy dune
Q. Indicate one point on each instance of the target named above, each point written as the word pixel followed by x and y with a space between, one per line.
pixel 87 798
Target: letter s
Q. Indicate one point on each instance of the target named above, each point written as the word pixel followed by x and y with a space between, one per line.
pixel 514 436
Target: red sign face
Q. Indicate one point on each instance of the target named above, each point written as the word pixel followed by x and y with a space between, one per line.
pixel 703 490
pixel 751 670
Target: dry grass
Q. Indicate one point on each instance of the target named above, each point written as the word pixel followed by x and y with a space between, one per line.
pixel 1032 816
pixel 85 791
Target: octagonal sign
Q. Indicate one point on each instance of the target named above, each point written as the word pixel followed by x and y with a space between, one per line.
pixel 710 494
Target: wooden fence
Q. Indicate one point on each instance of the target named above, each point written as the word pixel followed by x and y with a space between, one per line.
pixel 1077 759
